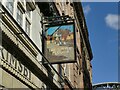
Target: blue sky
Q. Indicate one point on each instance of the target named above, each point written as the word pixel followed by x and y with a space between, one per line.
pixel 51 30
pixel 102 23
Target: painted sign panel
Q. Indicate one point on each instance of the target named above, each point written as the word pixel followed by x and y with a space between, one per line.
pixel 60 44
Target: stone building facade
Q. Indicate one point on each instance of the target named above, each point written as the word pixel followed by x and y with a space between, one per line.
pixel 79 73
pixel 21 47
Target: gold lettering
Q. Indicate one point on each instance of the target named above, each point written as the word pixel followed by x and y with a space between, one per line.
pixel 13 61
pixel 19 67
pixel 29 75
pixel 25 71
pixel 7 54
pixel 2 53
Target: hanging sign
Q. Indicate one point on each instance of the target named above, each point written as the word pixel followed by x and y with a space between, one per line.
pixel 60 43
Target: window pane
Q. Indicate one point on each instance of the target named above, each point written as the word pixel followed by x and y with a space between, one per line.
pixel 29 14
pixel 19 16
pixel 9 5
pixel 27 29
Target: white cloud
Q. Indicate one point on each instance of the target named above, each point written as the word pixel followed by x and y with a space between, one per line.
pixel 112 21
pixel 86 9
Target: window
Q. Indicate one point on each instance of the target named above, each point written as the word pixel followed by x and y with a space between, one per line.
pixel 27 28
pixel 9 6
pixel 28 10
pixel 29 14
pixel 19 16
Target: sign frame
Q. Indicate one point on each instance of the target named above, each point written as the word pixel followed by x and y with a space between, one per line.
pixel 71 22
